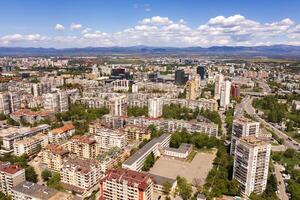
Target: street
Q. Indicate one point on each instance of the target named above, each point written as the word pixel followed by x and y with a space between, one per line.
pixel 281 187
pixel 288 142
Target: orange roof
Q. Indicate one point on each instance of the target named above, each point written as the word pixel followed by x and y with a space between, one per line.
pixel 83 139
pixel 11 169
pixel 63 129
pixel 56 149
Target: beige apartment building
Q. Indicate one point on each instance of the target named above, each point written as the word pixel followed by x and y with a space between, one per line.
pixel 251 164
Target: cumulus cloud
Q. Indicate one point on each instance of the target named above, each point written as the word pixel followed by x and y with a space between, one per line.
pixel 163 31
pixel 75 26
pixel 15 38
pixel 59 27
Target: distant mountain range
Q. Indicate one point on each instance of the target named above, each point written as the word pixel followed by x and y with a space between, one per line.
pixel 274 51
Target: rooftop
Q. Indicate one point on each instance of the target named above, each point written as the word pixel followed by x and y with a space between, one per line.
pixel 132 159
pixel 56 149
pixel 63 129
pixel 130 176
pixel 35 190
pixel 83 139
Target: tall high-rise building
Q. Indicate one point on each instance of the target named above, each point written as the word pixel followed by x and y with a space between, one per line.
pixel 218 83
pixel 251 164
pixel 191 90
pixel 180 77
pixel 126 184
pixel 155 107
pixel 225 94
pixel 118 106
pixel 242 127
pixel 201 71
pixel 235 91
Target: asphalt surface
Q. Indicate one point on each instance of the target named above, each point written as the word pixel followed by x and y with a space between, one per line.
pixel 281 187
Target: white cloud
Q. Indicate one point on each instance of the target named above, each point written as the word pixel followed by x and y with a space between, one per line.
pixel 162 31
pixel 59 27
pixel 75 26
pixel 16 38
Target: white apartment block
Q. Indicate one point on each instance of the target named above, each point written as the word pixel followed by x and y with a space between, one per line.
pixel 242 127
pixel 118 106
pixel 251 164
pixel 155 107
pixel 108 138
pixel 56 101
pixel 218 82
pixel 10 176
pixel 225 94
pixel 30 145
pixel 9 102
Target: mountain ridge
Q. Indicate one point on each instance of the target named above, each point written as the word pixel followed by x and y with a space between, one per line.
pixel 283 51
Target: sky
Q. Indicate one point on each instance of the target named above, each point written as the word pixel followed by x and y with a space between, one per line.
pixel 173 23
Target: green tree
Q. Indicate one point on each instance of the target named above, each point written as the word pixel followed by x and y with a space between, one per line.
pixel 30 174
pixel 149 162
pixel 54 182
pixel 289 153
pixel 46 175
pixel 167 188
pixel 184 188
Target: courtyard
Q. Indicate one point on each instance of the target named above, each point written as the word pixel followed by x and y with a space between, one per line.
pixel 195 171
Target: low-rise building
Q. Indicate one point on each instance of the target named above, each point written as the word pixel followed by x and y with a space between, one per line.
pixel 136 161
pixel 182 152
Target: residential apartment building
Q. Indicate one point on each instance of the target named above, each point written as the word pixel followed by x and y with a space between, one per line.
pixel 118 106
pixel 61 133
pixel 56 101
pixel 242 127
pixel 30 145
pixel 10 176
pixel 119 184
pixel 251 164
pixel 108 138
pixel 82 146
pixel 225 94
pixel 53 156
pixel 155 107
pixel 9 102
pixel 218 83
pixel 79 174
pixel 136 133
pixel 191 90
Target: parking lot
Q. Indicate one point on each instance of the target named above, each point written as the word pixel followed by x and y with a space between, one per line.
pixel 195 172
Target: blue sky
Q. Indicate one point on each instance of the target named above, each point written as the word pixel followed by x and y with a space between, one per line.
pixel 79 23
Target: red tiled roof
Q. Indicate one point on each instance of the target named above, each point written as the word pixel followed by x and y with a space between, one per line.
pixel 63 129
pixel 56 149
pixel 83 139
pixel 132 177
pixel 11 169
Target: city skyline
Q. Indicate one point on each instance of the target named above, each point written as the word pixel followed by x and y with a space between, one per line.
pixel 63 24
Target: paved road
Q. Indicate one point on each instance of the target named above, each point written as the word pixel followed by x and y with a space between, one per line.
pixel 288 142
pixel 281 187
